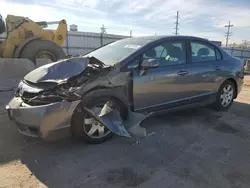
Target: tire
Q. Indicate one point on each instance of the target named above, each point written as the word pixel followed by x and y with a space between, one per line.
pixel 42 49
pixel 79 119
pixel 224 100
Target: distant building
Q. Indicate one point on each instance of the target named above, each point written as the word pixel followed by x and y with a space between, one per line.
pixel 73 27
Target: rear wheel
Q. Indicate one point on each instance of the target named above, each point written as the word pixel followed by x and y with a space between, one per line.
pixel 42 49
pixel 225 96
pixel 86 128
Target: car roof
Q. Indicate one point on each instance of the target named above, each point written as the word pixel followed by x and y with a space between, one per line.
pixel 158 37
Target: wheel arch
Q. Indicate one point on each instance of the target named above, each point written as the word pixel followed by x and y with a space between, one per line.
pixel 115 93
pixel 235 85
pixel 101 93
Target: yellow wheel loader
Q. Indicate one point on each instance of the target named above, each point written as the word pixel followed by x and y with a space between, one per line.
pixel 28 39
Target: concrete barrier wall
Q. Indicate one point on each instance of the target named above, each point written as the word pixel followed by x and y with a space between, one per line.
pixel 13 70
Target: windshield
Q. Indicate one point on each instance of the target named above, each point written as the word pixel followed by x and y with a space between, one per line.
pixel 116 51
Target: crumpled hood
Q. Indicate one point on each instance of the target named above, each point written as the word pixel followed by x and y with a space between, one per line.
pixel 58 71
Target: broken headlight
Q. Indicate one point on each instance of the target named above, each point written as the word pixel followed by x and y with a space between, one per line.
pixel 25 88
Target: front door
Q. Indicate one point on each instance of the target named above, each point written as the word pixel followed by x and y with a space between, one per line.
pixel 165 86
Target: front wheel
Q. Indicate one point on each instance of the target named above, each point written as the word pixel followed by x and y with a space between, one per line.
pixel 86 128
pixel 225 96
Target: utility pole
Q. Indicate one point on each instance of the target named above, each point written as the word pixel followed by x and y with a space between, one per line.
pixel 177 24
pixel 228 33
pixel 130 33
pixel 103 29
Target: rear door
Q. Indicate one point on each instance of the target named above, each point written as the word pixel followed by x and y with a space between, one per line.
pixel 166 86
pixel 205 67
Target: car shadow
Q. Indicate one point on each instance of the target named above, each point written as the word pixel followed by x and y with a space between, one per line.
pixel 68 162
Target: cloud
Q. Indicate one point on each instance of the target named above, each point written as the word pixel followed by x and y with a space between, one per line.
pixel 145 17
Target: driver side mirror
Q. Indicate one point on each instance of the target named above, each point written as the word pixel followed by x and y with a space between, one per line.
pixel 149 63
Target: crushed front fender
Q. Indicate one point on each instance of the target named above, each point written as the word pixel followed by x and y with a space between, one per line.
pixel 111 118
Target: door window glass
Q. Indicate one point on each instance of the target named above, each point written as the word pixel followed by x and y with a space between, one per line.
pixel 168 53
pixel 202 52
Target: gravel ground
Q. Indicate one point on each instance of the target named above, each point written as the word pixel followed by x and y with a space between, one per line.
pixel 192 148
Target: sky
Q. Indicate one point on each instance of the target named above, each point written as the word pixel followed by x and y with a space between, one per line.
pixel 203 18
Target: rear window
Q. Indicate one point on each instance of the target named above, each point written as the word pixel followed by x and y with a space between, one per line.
pixel 202 52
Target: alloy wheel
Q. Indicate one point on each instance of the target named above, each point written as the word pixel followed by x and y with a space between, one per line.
pixel 226 96
pixel 94 129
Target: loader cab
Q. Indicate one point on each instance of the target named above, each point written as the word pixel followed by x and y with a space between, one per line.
pixel 2 29
pixel 2 25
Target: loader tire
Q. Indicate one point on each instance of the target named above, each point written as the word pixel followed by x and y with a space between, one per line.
pixel 42 49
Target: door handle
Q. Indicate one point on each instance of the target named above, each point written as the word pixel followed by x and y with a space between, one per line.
pixel 218 67
pixel 182 72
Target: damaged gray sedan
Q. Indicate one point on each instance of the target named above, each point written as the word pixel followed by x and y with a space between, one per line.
pixel 114 88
